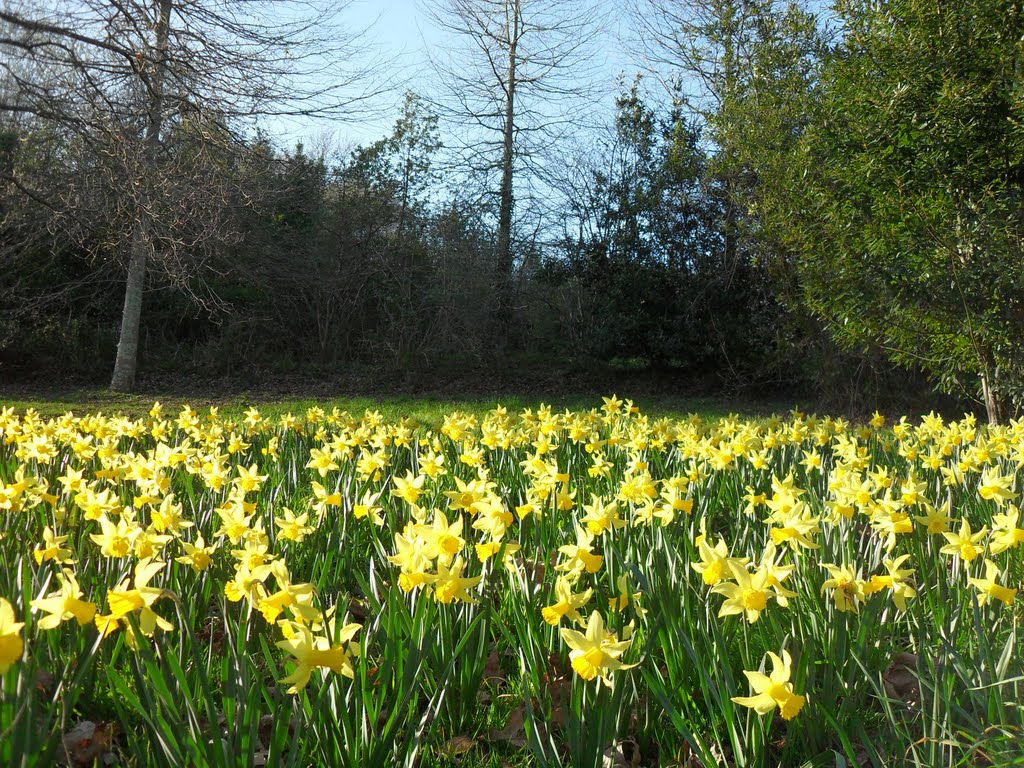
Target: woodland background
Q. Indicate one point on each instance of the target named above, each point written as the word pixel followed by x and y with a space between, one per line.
pixel 785 198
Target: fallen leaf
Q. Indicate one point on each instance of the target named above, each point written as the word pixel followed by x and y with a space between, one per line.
pixel 559 687
pixel 358 609
pixel 458 746
pixel 492 669
pixel 265 729
pixel 87 742
pixel 861 755
pixel 900 679
pixel 513 731
pixel 625 754
pixel 45 683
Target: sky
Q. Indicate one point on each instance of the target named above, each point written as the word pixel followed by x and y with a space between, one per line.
pixel 401 30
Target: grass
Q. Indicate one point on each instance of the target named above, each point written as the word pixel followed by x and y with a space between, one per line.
pixel 425 409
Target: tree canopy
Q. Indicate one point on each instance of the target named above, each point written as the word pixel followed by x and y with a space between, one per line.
pixel 905 203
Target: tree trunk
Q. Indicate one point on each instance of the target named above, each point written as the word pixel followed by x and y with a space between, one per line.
pixel 504 245
pixel 993 408
pixel 126 363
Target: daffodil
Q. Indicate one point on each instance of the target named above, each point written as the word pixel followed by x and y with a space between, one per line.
pixel 408 488
pixel 235 520
pixel 777 574
pixel 625 597
pixel 567 603
pixel 715 563
pixel 139 598
pixel 773 690
pixel 412 560
pixel 965 544
pixel 64 604
pixel 466 494
pixel 596 653
pixel 580 556
pixel 248 583
pixel 795 528
pixel 11 644
pixel 322 461
pixel 312 652
pixel 989 588
pixel 298 598
pixel 846 587
pixel 432 464
pixel 293 527
pixel 895 579
pixel 116 539
pixel 996 487
pixel 368 507
pixel 450 585
pixel 889 520
pixel 248 480
pixel 168 517
pixel 52 549
pixel 935 519
pixel 748 595
pixel 602 517
pixel 198 554
pixel 488 549
pixel 442 540
pixel 1005 533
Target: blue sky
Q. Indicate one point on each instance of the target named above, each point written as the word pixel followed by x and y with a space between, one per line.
pixel 400 30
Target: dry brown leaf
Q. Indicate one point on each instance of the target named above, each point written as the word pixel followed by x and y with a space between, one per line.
pixel 861 755
pixel 492 669
pixel 900 679
pixel 265 730
pixel 558 709
pixel 625 754
pixel 458 746
pixel 87 742
pixel 559 685
pixel 684 757
pixel 358 610
pixel 513 731
pixel 45 683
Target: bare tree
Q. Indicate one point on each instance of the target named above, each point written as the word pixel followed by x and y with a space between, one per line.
pixel 515 81
pixel 160 92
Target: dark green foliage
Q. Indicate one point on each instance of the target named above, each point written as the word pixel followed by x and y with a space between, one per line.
pixel 650 268
pixel 902 198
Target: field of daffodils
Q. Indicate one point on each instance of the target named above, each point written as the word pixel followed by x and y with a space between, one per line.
pixel 593 588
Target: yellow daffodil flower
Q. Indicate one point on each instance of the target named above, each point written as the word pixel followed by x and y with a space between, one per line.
pixel 749 594
pixel 773 690
pixel 52 549
pixel 965 544
pixel 846 587
pixel 1005 533
pixel 895 580
pixel 11 644
pixel 197 555
pixel 567 603
pixel 65 604
pixel 450 585
pixel 596 653
pixel 317 652
pixel 989 588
